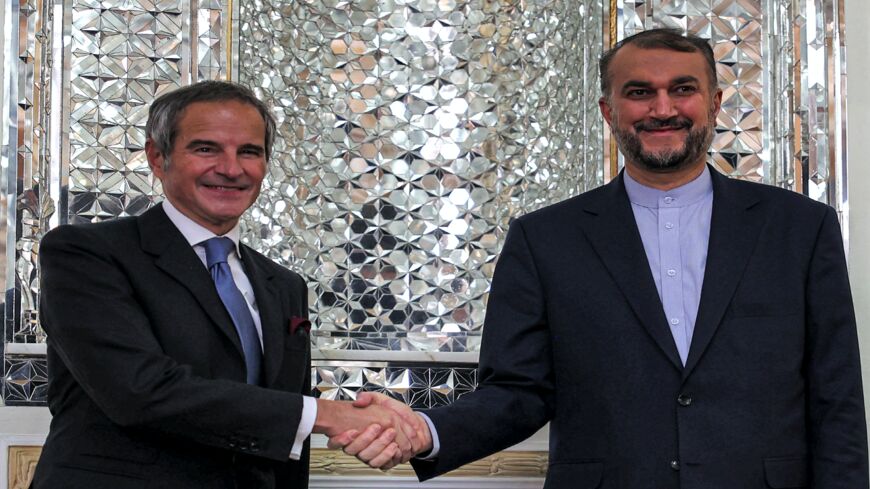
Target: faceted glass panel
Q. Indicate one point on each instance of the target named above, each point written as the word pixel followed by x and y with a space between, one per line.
pixel 412 133
pixel 25 380
pixel 420 386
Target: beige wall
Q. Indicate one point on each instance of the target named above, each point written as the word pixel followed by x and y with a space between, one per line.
pixel 858 107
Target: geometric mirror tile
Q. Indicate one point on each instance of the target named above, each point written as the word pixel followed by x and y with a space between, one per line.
pixel 25 380
pixel 412 133
pixel 420 386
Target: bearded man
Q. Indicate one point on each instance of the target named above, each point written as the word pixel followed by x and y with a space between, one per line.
pixel 677 329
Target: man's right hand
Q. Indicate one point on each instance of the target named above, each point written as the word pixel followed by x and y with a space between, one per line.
pixel 373 447
pixel 385 437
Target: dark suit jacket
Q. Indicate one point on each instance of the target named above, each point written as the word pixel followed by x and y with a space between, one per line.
pixel 147 375
pixel 575 335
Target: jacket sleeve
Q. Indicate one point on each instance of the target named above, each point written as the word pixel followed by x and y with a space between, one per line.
pixel 835 401
pixel 515 380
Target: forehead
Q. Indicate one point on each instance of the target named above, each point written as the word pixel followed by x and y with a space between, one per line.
pixel 223 118
pixel 656 66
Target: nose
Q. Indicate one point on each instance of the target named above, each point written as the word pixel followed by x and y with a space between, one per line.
pixel 229 166
pixel 662 105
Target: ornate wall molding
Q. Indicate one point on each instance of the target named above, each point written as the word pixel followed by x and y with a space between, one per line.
pixel 504 464
pixel 327 465
pixel 319 482
pixel 22 463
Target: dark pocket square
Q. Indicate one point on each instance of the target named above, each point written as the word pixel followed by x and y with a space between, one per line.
pixel 298 322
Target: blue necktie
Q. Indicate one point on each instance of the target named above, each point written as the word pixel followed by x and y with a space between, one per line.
pixel 216 251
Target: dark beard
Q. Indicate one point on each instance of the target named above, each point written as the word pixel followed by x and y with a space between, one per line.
pixel 694 147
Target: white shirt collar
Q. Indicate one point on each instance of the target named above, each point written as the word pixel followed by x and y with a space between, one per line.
pixel 193 232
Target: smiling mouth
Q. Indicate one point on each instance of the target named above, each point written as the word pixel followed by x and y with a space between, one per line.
pixel 663 125
pixel 663 130
pixel 224 188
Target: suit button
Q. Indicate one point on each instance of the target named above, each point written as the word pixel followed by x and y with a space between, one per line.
pixel 675 465
pixel 684 400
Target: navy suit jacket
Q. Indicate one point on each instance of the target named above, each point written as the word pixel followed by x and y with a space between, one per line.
pixel 147 378
pixel 575 335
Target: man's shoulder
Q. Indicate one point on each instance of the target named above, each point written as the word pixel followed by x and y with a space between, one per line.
pixel 572 207
pixel 114 231
pixel 778 198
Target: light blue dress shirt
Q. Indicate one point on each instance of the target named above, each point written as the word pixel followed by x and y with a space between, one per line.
pixel 674 226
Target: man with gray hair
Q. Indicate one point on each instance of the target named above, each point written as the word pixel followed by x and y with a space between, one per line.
pixel 179 357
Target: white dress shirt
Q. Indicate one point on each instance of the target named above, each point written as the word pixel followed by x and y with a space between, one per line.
pixel 195 234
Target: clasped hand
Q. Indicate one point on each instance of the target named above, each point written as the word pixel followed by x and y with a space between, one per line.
pixel 378 430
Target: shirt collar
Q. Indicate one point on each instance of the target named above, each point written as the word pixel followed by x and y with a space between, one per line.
pixel 193 232
pixel 687 194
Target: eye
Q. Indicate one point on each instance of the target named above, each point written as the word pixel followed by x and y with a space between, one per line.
pixel 252 152
pixel 686 89
pixel 637 93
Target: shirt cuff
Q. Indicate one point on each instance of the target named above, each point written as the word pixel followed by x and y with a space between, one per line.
pixel 436 444
pixel 306 424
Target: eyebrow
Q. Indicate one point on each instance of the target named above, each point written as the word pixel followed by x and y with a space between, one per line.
pixel 207 142
pixel 254 147
pixel 685 79
pixel 201 142
pixel 645 84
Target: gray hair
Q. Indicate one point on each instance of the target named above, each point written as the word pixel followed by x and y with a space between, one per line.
pixel 163 116
pixel 672 39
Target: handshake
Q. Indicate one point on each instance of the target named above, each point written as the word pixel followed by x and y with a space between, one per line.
pixel 375 428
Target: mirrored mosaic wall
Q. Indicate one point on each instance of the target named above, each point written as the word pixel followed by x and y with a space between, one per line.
pixel 419 386
pixel 412 132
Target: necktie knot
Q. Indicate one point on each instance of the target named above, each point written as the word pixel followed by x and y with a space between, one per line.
pixel 217 249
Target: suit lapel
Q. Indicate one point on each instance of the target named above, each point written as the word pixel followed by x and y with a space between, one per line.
pixel 615 238
pixel 174 255
pixel 734 228
pixel 272 320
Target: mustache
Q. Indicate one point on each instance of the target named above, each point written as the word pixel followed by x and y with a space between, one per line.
pixel 675 122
